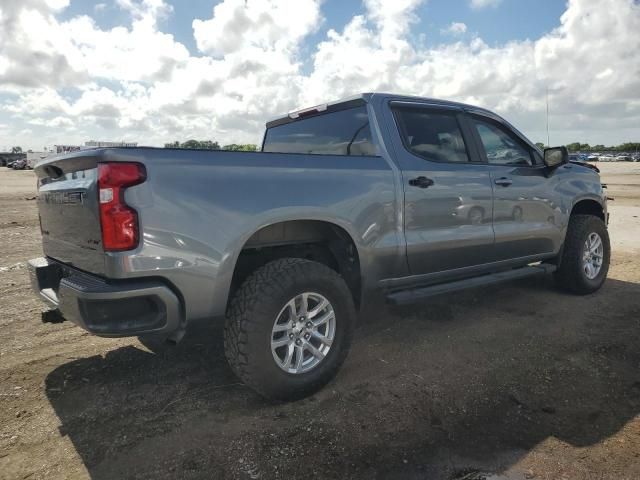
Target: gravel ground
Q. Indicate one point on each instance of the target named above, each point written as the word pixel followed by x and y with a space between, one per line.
pixel 517 381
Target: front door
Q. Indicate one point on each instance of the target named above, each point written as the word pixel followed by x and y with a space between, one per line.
pixel 526 218
pixel 447 195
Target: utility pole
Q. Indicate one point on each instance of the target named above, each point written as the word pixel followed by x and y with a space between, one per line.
pixel 548 142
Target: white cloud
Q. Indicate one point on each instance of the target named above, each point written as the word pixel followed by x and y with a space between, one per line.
pixel 136 82
pixel 57 5
pixel 455 29
pixel 478 4
pixel 147 11
pixel 256 25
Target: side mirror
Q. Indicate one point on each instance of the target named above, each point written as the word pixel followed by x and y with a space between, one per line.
pixel 556 156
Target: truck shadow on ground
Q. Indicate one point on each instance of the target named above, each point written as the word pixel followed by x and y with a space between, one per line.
pixel 471 381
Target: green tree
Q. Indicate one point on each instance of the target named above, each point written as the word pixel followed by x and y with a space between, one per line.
pixel 16 150
pixel 629 147
pixel 194 144
pixel 540 145
pixel 573 147
pixel 248 147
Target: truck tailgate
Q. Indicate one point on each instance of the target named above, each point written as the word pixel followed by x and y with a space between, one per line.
pixel 69 211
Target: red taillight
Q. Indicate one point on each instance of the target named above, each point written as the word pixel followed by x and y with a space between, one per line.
pixel 119 222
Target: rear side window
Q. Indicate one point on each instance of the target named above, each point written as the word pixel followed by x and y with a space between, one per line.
pixel 431 134
pixel 344 132
pixel 502 147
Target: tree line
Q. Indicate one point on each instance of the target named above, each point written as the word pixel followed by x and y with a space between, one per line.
pixel 585 147
pixel 211 145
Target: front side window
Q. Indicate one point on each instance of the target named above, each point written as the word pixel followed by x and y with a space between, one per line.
pixel 342 132
pixel 432 135
pixel 501 147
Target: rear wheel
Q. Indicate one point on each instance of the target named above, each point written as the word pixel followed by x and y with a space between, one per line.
pixel 289 328
pixel 586 254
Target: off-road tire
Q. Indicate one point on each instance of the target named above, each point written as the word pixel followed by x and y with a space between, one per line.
pixel 570 275
pixel 253 311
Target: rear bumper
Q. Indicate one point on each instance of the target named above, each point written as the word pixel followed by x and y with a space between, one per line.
pixel 108 309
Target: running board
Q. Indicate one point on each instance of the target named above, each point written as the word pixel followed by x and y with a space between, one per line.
pixel 405 297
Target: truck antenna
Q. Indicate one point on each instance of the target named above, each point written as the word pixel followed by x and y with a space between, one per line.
pixel 548 142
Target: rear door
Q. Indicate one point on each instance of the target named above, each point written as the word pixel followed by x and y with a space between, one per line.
pixel 525 216
pixel 447 190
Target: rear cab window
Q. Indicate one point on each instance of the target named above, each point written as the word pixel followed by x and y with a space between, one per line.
pixel 342 130
pixel 431 134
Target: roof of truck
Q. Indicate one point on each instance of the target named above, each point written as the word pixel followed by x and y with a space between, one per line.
pixel 366 97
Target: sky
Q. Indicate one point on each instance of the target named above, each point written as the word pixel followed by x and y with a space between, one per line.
pixel 156 71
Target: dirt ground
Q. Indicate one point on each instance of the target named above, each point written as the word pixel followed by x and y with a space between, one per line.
pixel 517 381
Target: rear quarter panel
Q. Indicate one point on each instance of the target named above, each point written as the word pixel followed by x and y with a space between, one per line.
pixel 198 208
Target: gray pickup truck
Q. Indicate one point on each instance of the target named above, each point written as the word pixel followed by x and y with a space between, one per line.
pixel 382 194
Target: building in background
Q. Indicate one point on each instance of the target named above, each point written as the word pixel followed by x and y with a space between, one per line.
pixel 67 148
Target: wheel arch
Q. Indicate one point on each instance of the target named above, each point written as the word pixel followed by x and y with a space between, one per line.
pixel 318 239
pixel 589 206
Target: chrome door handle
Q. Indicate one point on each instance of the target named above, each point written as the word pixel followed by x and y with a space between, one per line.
pixel 503 181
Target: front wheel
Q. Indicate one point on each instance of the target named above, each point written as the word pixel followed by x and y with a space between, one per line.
pixel 289 328
pixel 586 254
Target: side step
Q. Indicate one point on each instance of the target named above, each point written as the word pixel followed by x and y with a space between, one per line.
pixel 405 297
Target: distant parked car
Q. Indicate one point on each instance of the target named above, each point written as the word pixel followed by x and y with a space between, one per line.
pixel 624 158
pixel 7 158
pixel 20 164
pixel 578 157
pixel 592 158
pixel 581 160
